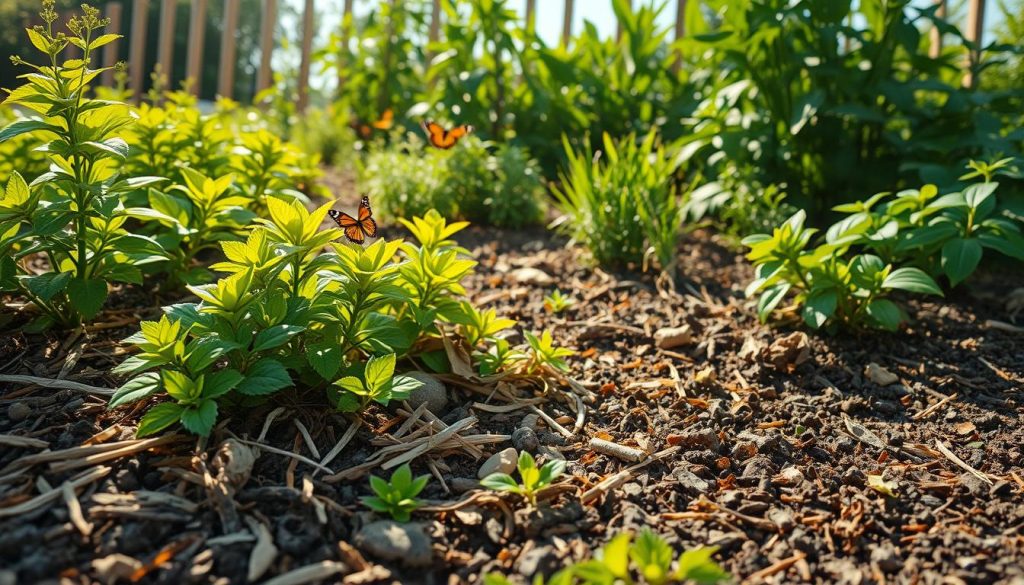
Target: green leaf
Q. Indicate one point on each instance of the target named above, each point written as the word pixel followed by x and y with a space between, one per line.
pixel 23 126
pixel 913 280
pixel 1008 243
pixel 220 383
pixel 264 377
pixel 352 385
pixel 325 358
pixel 136 389
pixel 379 370
pixel 179 386
pixel 959 259
pixel 696 565
pixel 885 314
pixel 87 296
pixel 819 307
pixel 500 482
pixel 615 555
pixel 275 336
pixel 770 298
pixel 48 285
pixel 159 418
pixel 200 420
pixel 401 386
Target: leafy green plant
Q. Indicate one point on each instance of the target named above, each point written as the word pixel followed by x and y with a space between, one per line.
pixel 378 384
pixel 543 354
pixel 532 479
pixel 556 302
pixel 648 559
pixel 396 497
pixel 623 202
pixel 72 215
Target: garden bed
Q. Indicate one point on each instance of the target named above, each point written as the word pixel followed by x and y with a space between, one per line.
pixel 768 444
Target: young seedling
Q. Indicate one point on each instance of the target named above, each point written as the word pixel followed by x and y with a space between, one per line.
pixel 396 497
pixel 544 354
pixel 533 479
pixel 556 302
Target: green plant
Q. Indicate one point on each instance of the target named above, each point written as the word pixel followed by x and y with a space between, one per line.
pixel 72 215
pixel 396 497
pixel 378 384
pixel 556 302
pixel 532 479
pixel 544 354
pixel 625 204
pixel 648 559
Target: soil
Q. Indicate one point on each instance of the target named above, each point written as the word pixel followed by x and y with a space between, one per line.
pixel 784 452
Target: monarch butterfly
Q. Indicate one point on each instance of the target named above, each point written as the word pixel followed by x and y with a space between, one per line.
pixel 441 138
pixel 356 230
pixel 387 120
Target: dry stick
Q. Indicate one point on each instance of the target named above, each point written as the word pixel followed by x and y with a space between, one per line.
pixel 406 425
pixel 43 499
pixel 270 420
pixel 305 436
pixel 22 442
pixel 59 384
pixel 931 409
pixel 505 408
pixel 963 464
pixel 75 509
pixel 775 568
pixel 430 443
pixel 551 423
pixel 111 454
pixel 993 324
pixel 616 450
pixel 86 450
pixel 296 456
pixel 342 443
pixel 614 481
pixel 308 574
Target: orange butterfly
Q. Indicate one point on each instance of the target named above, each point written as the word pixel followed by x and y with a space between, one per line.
pixel 387 120
pixel 441 138
pixel 356 230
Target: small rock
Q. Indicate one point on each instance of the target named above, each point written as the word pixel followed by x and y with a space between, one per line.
pixel 126 480
pixel 753 508
pixel 783 518
pixel 1000 488
pixel 790 476
pixel 19 411
pixel 880 375
pixel 704 439
pixel 973 484
pixel 525 439
pixel 744 450
pixel 690 482
pixel 529 422
pixel 500 462
pixel 751 349
pixel 432 392
pixel 758 466
pixel 855 477
pixel 115 567
pixel 632 489
pixel 533 276
pixel 462 485
pixel 669 337
pixel 539 560
pixel 886 557
pixel 390 541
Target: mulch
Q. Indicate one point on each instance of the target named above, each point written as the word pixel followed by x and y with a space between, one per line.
pixel 804 457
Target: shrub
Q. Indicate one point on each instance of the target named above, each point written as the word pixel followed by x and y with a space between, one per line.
pixel 287 314
pixel 503 188
pixel 622 202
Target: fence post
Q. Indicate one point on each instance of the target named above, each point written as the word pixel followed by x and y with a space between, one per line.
pixel 196 42
pixel 567 23
pixel 113 11
pixel 680 32
pixel 165 40
pixel 226 80
pixel 975 30
pixel 935 49
pixel 265 76
pixel 137 48
pixel 307 54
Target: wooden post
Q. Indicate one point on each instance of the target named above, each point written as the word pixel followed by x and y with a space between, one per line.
pixel 975 30
pixel 346 20
pixel 680 32
pixel 531 15
pixel 265 76
pixel 165 40
pixel 226 79
pixel 936 36
pixel 196 43
pixel 307 53
pixel 618 23
pixel 567 23
pixel 114 11
pixel 137 47
pixel 435 27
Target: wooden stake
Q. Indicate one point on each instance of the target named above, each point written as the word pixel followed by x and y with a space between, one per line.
pixel 975 30
pixel 113 11
pixel 307 52
pixel 165 40
pixel 137 48
pixel 226 81
pixel 936 36
pixel 567 23
pixel 680 32
pixel 196 43
pixel 265 75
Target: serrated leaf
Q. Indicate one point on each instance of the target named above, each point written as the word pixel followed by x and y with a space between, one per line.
pixel 136 389
pixel 275 336
pixel 159 418
pixel 264 377
pixel 200 420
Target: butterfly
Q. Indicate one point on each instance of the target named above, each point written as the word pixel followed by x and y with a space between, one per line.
pixel 441 138
pixel 356 230
pixel 387 120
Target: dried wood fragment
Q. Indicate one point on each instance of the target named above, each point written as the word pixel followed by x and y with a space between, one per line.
pixel 41 500
pixel 307 438
pixel 59 384
pixel 616 450
pixel 308 574
pixel 350 432
pixel 960 462
pixel 613 481
pixel 778 567
pixel 75 509
pixel 22 442
pixel 264 553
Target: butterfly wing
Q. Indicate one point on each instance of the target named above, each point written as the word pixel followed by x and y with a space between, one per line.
pixel 435 134
pixel 386 120
pixel 352 227
pixel 366 223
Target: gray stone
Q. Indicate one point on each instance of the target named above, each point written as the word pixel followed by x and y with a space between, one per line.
pixel 525 439
pixel 669 337
pixel 432 392
pixel 690 482
pixel 500 462
pixel 390 541
pixel 19 411
pixel 540 560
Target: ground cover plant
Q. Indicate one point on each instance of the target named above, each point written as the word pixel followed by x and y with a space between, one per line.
pixel 614 390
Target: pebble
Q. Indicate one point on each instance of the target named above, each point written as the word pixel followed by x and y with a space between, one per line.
pixel 704 439
pixel 855 477
pixel 690 482
pixel 539 560
pixel 525 439
pixel 669 337
pixel 390 541
pixel 758 466
pixel 790 476
pixel 744 450
pixel 500 462
pixel 530 275
pixel 973 484
pixel 432 393
pixel 19 411
pixel 880 375
pixel 8 577
pixel 462 485
pixel 530 422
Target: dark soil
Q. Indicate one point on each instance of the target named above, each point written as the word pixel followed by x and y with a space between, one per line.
pixel 768 465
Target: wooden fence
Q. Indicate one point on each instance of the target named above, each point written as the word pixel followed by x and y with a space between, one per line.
pixel 226 72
